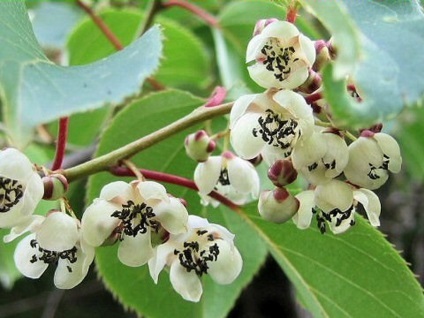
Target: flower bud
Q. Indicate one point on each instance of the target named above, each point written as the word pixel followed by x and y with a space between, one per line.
pixel 282 173
pixel 277 205
pixel 261 24
pixel 256 161
pixel 55 186
pixel 199 145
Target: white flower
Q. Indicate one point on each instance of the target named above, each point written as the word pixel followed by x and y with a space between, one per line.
pixel 280 56
pixel 321 157
pixel 229 175
pixel 371 156
pixel 269 124
pixel 136 212
pixel 205 249
pixel 334 203
pixel 21 188
pixel 55 241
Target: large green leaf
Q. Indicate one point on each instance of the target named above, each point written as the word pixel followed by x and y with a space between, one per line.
pixel 356 274
pixel 34 90
pixel 133 286
pixel 186 63
pixel 379 46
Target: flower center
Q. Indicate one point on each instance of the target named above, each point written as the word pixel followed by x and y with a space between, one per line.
pixel 11 191
pixel 278 132
pixel 136 218
pixel 279 60
pixel 194 258
pixel 336 215
pixel 376 172
pixel 223 177
pixel 52 257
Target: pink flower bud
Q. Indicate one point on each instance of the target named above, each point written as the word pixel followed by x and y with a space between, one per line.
pixel 55 186
pixel 282 173
pixel 278 205
pixel 199 146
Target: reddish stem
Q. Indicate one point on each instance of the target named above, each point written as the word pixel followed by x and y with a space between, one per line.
pixel 62 138
pixel 172 179
pixel 204 15
pixel 102 26
pixel 291 14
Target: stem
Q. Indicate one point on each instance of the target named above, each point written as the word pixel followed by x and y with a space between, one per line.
pixel 292 12
pixel 172 179
pixel 154 7
pixel 204 15
pixel 104 162
pixel 102 26
pixel 62 138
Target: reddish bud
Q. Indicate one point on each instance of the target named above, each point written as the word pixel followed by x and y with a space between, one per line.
pixel 55 186
pixel 282 173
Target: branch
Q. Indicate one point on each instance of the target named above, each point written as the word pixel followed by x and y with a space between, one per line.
pixel 62 138
pixel 103 163
pixel 204 15
pixel 172 179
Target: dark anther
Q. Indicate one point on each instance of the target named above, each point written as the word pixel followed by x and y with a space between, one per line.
pixel 194 259
pixel 278 59
pixel 223 177
pixel 52 257
pixel 276 131
pixel 136 218
pixel 11 191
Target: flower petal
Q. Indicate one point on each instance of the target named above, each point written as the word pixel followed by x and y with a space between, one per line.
pixel 245 144
pixel 243 176
pixel 97 224
pixel 23 258
pixel 159 260
pixel 116 189
pixel 303 217
pixel 371 204
pixel 172 215
pixel 187 284
pixel 240 106
pixel 390 148
pixel 135 251
pixel 228 264
pixel 15 165
pixel 58 232
pixel 151 190
pixel 334 195
pixel 207 173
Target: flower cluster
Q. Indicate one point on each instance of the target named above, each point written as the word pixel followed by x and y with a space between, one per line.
pixel 151 226
pixel 282 127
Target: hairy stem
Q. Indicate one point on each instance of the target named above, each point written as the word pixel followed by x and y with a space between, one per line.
pixel 172 179
pixel 102 26
pixel 204 15
pixel 62 138
pixel 103 163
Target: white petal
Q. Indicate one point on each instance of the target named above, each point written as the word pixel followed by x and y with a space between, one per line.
pixel 15 165
pixel 390 147
pixel 245 144
pixel 151 190
pixel 13 217
pixel 23 256
pixel 310 151
pixel 160 259
pixel 67 274
pixel 207 173
pixel 195 222
pixel 264 77
pixel 243 176
pixel 295 104
pixel 172 215
pixel 29 223
pixel 240 106
pixel 371 204
pixel 303 217
pixel 228 265
pixel 280 29
pixel 58 232
pixel 97 224
pixel 135 251
pixel 297 77
pixel 308 48
pixel 187 284
pixel 115 189
pixel 34 192
pixel 334 195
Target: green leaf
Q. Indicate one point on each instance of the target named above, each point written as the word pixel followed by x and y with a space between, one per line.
pixel 186 63
pixel 34 90
pixel 133 286
pixel 375 41
pixel 356 274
